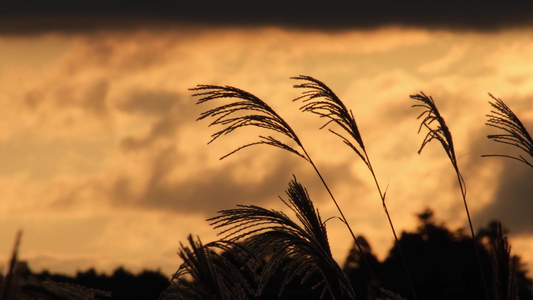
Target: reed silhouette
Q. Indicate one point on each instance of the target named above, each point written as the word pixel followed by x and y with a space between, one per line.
pixel 514 132
pixel 277 252
pixel 438 130
pixel 266 254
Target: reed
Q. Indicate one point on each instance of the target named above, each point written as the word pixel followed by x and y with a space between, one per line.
pixel 208 274
pixel 257 113
pixel 438 130
pixel 255 243
pixel 320 100
pixel 514 133
pixel 302 246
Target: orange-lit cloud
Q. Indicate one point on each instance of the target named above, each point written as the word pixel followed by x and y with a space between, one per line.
pixel 101 141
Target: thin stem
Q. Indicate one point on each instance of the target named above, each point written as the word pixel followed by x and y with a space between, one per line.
pixel 343 218
pixel 396 241
pixel 441 133
pixel 478 256
pixel 319 99
pixel 259 114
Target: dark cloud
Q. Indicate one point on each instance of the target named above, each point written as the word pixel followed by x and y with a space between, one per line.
pixel 221 188
pixel 21 17
pixel 150 102
pixel 164 127
pixel 91 98
pixel 170 110
pixel 513 200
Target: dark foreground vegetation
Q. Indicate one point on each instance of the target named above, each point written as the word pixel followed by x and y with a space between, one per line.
pixel 257 245
pixel 89 284
pixel 267 254
pixel 440 260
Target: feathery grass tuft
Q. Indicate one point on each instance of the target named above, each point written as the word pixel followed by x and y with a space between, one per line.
pixel 515 134
pixel 319 99
pixel 303 249
pixel 438 130
pixel 256 113
pixel 211 275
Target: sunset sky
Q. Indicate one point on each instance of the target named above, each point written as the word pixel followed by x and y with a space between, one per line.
pixel 102 161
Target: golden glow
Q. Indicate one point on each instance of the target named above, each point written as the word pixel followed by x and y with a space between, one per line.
pixel 102 162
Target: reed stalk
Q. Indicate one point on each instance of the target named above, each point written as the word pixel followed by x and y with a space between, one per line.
pixel 438 130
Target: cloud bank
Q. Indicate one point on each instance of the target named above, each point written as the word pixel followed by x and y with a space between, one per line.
pixel 22 17
pixel 104 131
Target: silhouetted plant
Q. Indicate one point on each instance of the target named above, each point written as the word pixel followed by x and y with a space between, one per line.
pixel 303 248
pixel 319 99
pixel 505 285
pixel 515 134
pixel 206 274
pixel 255 112
pixel 11 283
pixel 438 130
pixel 261 116
pixel 259 244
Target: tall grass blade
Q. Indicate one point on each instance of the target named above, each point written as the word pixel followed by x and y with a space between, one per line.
pixel 504 267
pixel 514 132
pixel 10 280
pixel 438 130
pixel 320 100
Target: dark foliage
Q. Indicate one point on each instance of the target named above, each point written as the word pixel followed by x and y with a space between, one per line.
pixel 122 284
pixel 441 263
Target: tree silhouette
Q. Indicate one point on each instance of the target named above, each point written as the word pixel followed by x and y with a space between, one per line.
pixel 440 267
pixel 121 284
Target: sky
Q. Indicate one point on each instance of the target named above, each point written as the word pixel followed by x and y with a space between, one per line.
pixel 102 161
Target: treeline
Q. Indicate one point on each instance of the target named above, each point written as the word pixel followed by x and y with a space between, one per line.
pixel 440 259
pixel 121 284
pixel 442 264
pixel 89 284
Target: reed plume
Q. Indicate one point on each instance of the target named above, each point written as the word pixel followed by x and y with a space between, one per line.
pixel 302 247
pixel 319 99
pixel 206 274
pixel 255 112
pixel 514 132
pixel 438 130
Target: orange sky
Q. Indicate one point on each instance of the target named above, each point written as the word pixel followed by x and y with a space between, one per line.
pixel 103 164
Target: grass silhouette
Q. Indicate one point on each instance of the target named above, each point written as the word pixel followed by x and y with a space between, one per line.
pixel 515 134
pixel 438 130
pixel 258 114
pixel 319 99
pixel 257 242
pixel 258 246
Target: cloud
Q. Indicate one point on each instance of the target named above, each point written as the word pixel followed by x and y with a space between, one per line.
pixel 150 102
pixel 165 107
pixel 445 62
pixel 512 202
pixel 90 98
pixel 64 16
pixel 242 181
pixel 126 139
